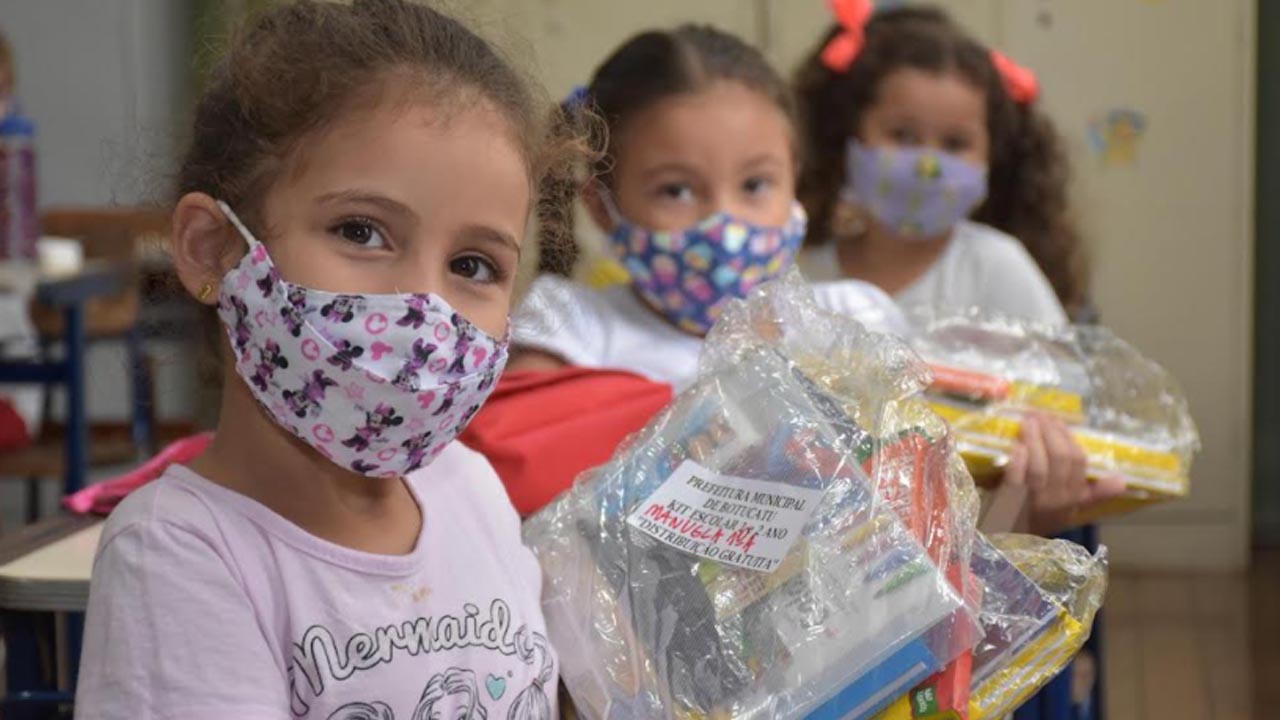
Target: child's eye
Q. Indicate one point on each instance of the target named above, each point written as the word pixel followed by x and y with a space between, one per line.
pixel 360 231
pixel 676 191
pixel 757 185
pixel 955 145
pixel 905 136
pixel 475 268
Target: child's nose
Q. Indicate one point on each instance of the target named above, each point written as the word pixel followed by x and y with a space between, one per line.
pixel 420 271
pixel 730 202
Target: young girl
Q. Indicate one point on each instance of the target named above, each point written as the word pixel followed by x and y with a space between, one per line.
pixel 697 193
pixel 914 127
pixel 352 204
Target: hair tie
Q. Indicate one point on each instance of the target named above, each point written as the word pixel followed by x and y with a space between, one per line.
pixel 577 97
pixel 1019 82
pixel 843 49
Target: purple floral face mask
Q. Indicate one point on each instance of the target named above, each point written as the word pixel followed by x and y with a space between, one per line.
pixel 379 384
pixel 914 192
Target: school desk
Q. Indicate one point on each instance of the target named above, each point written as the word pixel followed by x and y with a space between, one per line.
pixel 44 589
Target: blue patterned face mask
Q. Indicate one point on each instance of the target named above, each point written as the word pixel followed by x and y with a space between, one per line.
pixel 689 275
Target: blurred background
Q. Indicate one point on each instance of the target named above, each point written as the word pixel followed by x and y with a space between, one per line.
pixel 1171 112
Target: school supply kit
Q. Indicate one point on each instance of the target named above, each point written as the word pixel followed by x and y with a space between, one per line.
pixel 794 537
pixel 1126 412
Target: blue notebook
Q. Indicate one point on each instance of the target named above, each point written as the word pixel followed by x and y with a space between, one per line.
pixel 882 685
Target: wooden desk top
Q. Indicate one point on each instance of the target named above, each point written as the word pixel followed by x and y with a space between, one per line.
pixel 47 566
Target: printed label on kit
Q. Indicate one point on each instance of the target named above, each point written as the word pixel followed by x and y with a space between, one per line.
pixel 749 524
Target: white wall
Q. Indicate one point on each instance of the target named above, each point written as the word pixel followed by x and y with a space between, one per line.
pixel 103 80
pixel 1173 233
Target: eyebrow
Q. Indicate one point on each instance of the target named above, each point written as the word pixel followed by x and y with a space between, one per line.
pixel 478 233
pixel 368 198
pixel 763 159
pixel 491 236
pixel 668 167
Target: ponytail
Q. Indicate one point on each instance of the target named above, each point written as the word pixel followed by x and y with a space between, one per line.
pixel 558 249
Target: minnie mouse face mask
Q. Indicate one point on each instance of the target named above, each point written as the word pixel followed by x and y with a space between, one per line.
pixel 379 384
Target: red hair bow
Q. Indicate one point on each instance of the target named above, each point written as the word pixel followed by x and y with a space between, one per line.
pixel 853 16
pixel 843 49
pixel 1019 82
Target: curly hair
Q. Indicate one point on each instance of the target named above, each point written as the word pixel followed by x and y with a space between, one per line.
pixel 299 67
pixel 1028 170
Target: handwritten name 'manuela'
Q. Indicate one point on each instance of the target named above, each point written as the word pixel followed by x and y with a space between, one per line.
pixel 760 498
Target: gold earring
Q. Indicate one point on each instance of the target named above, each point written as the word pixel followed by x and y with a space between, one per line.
pixel 205 291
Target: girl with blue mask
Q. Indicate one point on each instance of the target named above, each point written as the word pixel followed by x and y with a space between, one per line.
pixel 696 195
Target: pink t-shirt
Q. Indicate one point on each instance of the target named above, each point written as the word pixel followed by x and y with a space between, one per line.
pixel 205 604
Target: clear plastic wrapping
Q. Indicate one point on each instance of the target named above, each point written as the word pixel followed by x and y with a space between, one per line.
pixel 1128 414
pixel 789 539
pixel 1039 598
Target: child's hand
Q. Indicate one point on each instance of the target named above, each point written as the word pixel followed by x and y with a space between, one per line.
pixel 1051 464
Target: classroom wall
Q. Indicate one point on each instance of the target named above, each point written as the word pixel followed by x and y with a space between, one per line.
pixel 1155 101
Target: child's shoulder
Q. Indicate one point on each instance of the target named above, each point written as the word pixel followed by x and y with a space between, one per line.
pixel 1004 274
pixel 862 301
pixel 175 523
pixel 984 236
pixel 177 500
pixel 609 328
pixel 987 254
pixel 992 245
pixel 552 297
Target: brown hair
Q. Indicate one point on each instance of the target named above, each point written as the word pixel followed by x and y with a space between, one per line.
pixel 646 69
pixel 299 66
pixel 1028 171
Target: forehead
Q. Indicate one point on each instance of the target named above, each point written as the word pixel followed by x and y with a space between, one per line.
pixel 423 156
pixel 723 122
pixel 944 96
pixel 406 102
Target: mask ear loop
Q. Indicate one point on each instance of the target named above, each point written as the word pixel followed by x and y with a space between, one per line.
pixel 610 205
pixel 240 227
pixel 848 193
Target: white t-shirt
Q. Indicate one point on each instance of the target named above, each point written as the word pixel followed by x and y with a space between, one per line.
pixel 614 329
pixel 206 604
pixel 981 268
